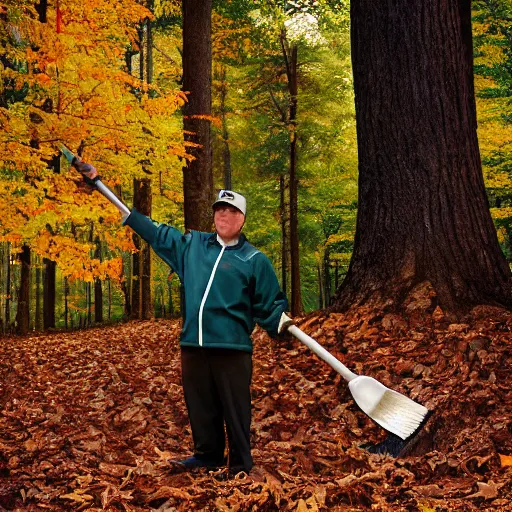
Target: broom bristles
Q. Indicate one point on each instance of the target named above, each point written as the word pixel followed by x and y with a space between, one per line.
pixel 398 414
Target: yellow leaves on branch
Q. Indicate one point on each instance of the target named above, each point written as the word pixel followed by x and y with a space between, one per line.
pixel 74 89
pixel 501 213
pixel 74 258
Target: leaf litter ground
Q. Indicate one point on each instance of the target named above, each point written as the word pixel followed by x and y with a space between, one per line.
pixel 89 420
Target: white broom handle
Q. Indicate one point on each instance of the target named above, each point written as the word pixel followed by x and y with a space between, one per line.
pixel 322 353
pixel 112 198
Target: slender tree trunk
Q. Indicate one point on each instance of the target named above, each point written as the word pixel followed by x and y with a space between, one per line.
pixel 171 303
pixel 39 309
pixel 127 299
pixel 327 277
pixel 321 297
pixel 141 283
pixel 8 286
pixel 226 153
pixel 88 293
pixel 42 8
pixel 109 299
pixel 2 281
pixel 285 229
pixel 296 297
pixel 197 77
pixel 49 282
pixel 423 214
pixel 127 273
pixel 98 290
pixel 66 305
pixel 136 278
pixel 146 47
pixel 23 312
pixel 147 309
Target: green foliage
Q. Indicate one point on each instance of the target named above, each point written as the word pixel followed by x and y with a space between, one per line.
pixel 259 133
pixel 492 27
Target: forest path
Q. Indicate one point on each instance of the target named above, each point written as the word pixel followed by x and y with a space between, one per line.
pixel 89 420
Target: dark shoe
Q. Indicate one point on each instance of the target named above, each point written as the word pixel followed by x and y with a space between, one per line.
pixel 193 463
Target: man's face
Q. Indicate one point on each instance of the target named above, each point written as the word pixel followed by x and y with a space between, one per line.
pixel 228 221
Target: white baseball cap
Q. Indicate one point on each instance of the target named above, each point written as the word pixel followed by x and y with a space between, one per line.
pixel 233 199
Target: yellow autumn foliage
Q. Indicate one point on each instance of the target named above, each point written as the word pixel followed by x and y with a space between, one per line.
pixel 72 87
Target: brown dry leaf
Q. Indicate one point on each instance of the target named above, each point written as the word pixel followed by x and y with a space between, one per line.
pixel 487 491
pixel 78 496
pixel 31 445
pixel 429 491
pixel 114 494
pixel 114 469
pixel 170 492
pixel 303 507
pixel 506 460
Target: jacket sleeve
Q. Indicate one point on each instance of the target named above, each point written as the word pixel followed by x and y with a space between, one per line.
pixel 166 241
pixel 268 300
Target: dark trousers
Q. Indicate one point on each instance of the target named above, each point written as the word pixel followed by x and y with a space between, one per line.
pixel 216 384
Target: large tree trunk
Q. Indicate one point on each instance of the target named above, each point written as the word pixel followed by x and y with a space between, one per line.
pixel 23 312
pixel 423 213
pixel 197 77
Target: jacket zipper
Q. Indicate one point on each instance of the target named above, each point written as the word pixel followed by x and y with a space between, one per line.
pixel 205 296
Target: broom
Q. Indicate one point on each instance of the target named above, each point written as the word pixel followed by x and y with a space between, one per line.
pixel 396 413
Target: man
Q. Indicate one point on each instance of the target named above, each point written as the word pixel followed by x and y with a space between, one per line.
pixel 229 286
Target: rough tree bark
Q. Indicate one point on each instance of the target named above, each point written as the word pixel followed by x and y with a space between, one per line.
pixel 423 213
pixel 197 78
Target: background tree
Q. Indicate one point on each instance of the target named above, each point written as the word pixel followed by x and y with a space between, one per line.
pixel 423 213
pixel 492 29
pixel 290 43
pixel 99 117
pixel 197 78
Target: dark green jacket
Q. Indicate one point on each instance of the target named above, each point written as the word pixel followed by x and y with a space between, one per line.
pixel 244 289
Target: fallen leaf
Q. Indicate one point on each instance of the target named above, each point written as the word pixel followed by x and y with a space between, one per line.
pixel 506 460
pixel 487 491
pixel 77 496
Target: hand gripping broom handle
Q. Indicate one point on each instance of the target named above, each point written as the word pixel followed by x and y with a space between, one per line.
pixel 318 349
pixel 96 182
